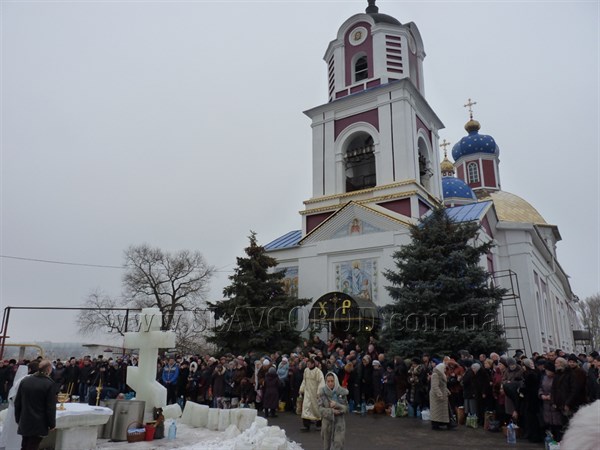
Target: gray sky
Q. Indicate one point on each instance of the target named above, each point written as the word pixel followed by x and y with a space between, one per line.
pixel 180 124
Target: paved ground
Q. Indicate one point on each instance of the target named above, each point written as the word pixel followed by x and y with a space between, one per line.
pixel 386 433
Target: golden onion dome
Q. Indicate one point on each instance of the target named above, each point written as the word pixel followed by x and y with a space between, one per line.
pixel 472 125
pixel 512 208
pixel 446 165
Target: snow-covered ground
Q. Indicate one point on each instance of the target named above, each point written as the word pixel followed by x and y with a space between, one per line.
pixel 188 438
pixel 257 437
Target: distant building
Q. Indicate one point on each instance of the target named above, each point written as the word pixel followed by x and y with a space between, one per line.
pixel 375 171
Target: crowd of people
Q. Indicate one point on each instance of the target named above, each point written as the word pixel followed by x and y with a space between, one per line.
pixel 322 381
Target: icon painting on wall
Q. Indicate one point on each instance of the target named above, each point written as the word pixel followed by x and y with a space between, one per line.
pixel 290 281
pixel 358 278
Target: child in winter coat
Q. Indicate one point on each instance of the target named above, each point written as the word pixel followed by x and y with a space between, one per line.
pixel 333 405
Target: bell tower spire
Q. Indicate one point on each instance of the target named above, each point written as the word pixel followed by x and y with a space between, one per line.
pixel 372 9
pixel 376 140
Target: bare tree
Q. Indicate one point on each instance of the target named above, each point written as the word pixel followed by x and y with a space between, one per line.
pixel 171 282
pixel 589 311
pixel 103 317
pixel 175 283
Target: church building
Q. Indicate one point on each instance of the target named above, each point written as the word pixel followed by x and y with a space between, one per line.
pixel 376 171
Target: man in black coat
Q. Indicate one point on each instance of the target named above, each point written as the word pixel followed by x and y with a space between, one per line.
pixel 593 380
pixel 35 406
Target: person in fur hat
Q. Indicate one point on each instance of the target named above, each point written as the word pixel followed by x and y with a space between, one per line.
pixel 333 405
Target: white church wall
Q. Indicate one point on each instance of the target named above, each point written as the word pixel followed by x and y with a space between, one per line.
pixel 404 124
pixel 317 161
pixel 514 250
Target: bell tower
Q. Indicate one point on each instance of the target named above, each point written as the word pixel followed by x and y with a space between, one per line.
pixel 375 141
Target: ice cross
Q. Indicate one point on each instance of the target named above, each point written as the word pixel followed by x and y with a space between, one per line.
pixel 149 338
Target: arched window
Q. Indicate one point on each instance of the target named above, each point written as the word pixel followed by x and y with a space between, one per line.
pixel 540 314
pixel 425 171
pixel 360 163
pixel 473 171
pixel 361 69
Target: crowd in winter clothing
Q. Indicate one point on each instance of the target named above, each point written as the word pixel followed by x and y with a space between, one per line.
pixel 537 392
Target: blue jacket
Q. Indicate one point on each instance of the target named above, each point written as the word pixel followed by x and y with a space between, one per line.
pixel 170 374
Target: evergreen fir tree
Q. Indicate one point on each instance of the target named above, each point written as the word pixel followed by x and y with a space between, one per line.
pixel 257 314
pixel 443 300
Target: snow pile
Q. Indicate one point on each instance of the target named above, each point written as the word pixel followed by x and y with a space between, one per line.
pixel 256 437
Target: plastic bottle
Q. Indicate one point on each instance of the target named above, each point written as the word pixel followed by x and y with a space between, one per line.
pixel 549 442
pixel 363 409
pixel 511 434
pixel 393 411
pixel 172 431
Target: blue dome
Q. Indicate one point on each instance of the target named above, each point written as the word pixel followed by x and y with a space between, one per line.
pixel 474 143
pixel 457 188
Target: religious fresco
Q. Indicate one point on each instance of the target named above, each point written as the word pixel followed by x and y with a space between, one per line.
pixel 357 277
pixel 290 281
pixel 354 228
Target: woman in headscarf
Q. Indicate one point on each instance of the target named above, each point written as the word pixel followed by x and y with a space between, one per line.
pixel 333 404
pixel 283 372
pixel 553 420
pixel 271 393
pixel 512 381
pixel 438 398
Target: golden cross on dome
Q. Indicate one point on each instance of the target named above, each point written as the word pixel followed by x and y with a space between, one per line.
pixel 469 104
pixel 445 144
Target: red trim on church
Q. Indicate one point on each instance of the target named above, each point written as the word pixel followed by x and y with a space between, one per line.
pixel 401 206
pixel 460 173
pixel 373 83
pixel 371 117
pixel 423 208
pixel 351 51
pixel 315 220
pixel 488 173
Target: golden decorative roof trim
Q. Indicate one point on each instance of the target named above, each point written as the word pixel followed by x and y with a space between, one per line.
pixel 384 215
pixel 381 198
pixel 363 191
pixel 379 213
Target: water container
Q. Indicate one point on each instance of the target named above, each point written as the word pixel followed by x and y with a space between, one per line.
pixel 511 434
pixel 363 409
pixel 547 440
pixel 172 431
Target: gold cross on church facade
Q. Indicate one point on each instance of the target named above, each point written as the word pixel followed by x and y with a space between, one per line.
pixel 469 105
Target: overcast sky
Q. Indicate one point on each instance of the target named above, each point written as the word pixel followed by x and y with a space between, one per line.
pixel 180 125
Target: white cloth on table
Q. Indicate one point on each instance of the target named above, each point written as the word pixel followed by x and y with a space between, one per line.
pixel 80 414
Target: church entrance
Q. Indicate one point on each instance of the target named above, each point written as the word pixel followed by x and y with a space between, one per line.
pixel 344 314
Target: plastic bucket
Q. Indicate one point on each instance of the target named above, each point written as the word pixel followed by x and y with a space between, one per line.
pixel 150 429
